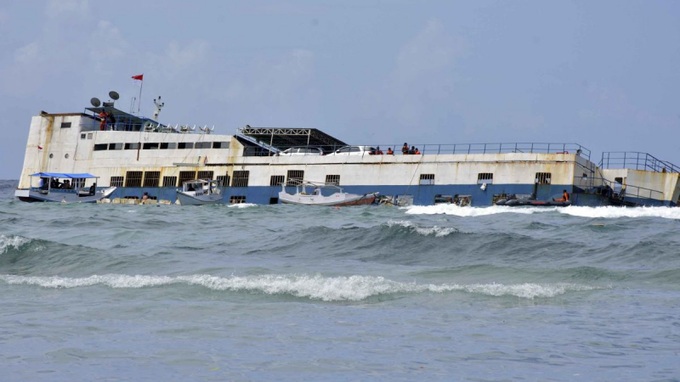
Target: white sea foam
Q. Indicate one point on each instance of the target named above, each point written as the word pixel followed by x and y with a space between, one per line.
pixel 315 287
pixel 452 209
pixel 11 241
pixel 425 231
pixel 241 205
pixel 621 212
pixel 580 211
pixel 525 290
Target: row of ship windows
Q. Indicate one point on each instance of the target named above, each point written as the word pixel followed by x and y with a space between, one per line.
pixel 160 146
pixel 241 178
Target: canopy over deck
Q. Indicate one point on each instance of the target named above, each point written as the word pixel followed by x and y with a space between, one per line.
pixel 285 137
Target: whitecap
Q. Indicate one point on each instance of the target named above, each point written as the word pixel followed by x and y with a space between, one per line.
pixel 622 212
pixel 314 287
pixel 425 231
pixel 11 241
pixel 452 209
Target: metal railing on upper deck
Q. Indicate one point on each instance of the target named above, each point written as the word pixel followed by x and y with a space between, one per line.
pixel 502 148
pixel 476 148
pixel 636 161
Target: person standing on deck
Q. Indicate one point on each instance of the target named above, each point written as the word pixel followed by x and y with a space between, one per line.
pixel 102 116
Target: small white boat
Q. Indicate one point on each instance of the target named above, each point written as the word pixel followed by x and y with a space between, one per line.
pixel 198 192
pixel 63 188
pixel 323 195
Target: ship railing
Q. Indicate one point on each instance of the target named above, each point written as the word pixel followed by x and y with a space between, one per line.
pixel 503 148
pixel 640 192
pixel 474 148
pixel 635 161
pixel 617 190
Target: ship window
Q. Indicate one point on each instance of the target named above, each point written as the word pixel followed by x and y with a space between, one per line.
pixel 426 179
pixel 333 179
pixel 277 180
pixel 240 179
pixel 83 135
pixel 89 135
pixel 220 145
pixel 203 145
pixel 543 178
pixel 131 146
pixel 65 125
pixel 168 145
pixel 150 146
pixel 205 175
pixel 295 177
pixel 133 179
pixel 484 177
pixel 185 145
pixel 618 180
pixel 151 178
pixel 115 146
pixel 101 146
pixel 169 181
pixel 224 180
pixel 186 175
pixel 116 181
pixel 237 199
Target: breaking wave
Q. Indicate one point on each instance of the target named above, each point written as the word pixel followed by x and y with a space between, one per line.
pixel 622 212
pixel 435 231
pixel 313 287
pixel 12 242
pixel 579 211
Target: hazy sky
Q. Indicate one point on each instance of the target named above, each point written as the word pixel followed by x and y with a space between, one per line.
pixel 605 74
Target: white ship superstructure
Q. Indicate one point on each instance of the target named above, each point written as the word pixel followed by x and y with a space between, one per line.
pixel 138 155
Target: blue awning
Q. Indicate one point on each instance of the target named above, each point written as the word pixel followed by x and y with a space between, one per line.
pixel 82 175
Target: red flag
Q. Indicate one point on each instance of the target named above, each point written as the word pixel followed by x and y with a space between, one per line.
pixel 138 77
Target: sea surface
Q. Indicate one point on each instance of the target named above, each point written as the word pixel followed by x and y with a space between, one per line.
pixel 289 293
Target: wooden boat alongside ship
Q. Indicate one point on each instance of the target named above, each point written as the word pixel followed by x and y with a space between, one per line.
pixel 199 192
pixel 323 195
pixel 64 188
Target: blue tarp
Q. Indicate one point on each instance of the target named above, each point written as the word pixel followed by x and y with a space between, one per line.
pixel 83 175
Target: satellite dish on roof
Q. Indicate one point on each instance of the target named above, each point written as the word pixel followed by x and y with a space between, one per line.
pixel 114 95
pixel 95 101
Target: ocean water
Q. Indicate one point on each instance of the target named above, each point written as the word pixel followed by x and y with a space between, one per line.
pixel 288 293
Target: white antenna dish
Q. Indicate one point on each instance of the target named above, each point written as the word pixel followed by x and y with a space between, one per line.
pixel 94 101
pixel 114 95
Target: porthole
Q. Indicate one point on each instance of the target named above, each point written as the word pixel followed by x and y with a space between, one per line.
pixel 66 156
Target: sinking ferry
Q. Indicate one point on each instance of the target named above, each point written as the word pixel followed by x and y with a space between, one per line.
pixel 139 155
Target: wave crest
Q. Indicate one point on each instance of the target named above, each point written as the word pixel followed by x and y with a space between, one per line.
pixel 314 287
pixel 7 242
pixel 425 231
pixel 579 211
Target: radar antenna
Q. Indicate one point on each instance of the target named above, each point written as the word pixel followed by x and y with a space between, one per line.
pixel 159 105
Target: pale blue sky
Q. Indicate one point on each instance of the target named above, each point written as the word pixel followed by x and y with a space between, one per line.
pixel 605 74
